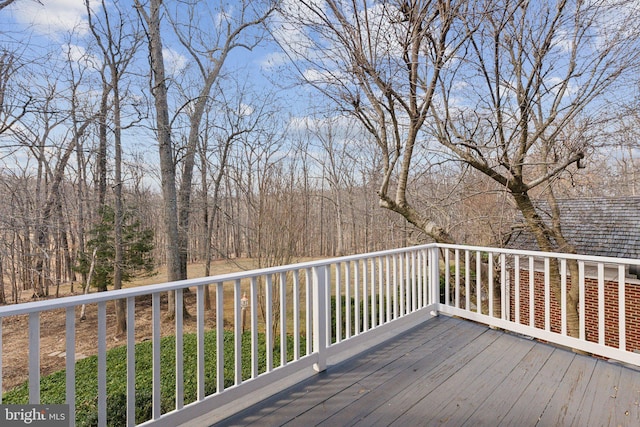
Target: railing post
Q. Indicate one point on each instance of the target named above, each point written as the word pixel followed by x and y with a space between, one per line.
pixel 434 264
pixel 320 317
pixel 34 358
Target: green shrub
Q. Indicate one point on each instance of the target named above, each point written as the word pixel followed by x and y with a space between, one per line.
pixel 352 305
pixel 52 387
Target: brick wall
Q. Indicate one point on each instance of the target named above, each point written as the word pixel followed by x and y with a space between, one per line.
pixel 632 308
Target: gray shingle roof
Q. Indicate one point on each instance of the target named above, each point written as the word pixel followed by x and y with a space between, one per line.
pixel 596 226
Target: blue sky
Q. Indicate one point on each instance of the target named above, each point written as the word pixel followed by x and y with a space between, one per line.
pixel 60 26
pixel 48 25
pixel 36 28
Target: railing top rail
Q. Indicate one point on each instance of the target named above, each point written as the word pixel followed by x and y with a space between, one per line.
pixel 76 300
pixel 541 254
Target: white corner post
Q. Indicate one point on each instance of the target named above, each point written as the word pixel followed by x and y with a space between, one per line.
pixel 434 264
pixel 320 304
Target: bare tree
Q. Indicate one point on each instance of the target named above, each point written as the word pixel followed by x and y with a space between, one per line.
pixel 209 50
pixel 624 142
pixel 151 15
pixel 228 122
pixel 495 82
pixel 118 42
pixel 381 62
pixel 531 76
pixel 209 44
pixel 14 99
pixel 16 225
pixel 36 135
pixel 5 3
pixel 335 137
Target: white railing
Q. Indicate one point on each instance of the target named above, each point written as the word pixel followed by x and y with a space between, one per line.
pixel 301 318
pixel 523 298
pixel 304 317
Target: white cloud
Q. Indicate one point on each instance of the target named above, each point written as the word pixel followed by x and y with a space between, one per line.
pixel 341 127
pixel 174 62
pixel 328 77
pixel 302 123
pixel 223 17
pixel 274 60
pixel 303 36
pixel 289 31
pixel 245 110
pixel 554 84
pixel 79 54
pixel 52 16
pixel 303 11
pixel 316 75
pixel 614 22
pixel 292 39
pixel 563 40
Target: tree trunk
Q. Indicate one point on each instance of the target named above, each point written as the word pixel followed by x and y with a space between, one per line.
pixel 543 236
pixel 101 159
pixel 165 147
pixel 87 285
pixel 80 194
pixel 121 321
pixel 3 298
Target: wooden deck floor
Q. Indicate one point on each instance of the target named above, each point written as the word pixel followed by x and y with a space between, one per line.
pixel 454 372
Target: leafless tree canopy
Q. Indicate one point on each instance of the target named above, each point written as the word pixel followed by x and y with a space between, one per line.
pixel 511 89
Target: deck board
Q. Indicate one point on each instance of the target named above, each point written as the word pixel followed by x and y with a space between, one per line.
pixel 459 409
pixel 437 402
pixel 599 398
pixel 537 394
pixel 509 387
pixel 343 380
pixel 449 371
pixel 627 401
pixel 570 393
pixel 396 397
pixel 370 387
